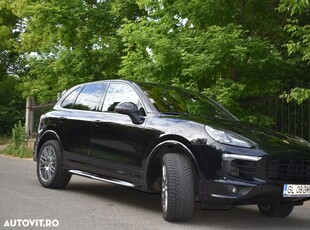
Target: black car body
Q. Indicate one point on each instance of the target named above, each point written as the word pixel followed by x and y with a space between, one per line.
pixel 132 134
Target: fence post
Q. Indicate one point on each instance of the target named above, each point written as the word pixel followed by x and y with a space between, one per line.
pixel 29 116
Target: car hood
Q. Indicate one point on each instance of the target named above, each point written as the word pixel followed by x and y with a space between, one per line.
pixel 271 142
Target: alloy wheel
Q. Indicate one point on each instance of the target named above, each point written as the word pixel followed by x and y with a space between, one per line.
pixel 164 191
pixel 47 163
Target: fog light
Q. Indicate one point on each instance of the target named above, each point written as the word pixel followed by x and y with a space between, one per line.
pixel 234 190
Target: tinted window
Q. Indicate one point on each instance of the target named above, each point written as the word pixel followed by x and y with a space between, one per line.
pixel 177 101
pixel 69 101
pixel 89 97
pixel 118 93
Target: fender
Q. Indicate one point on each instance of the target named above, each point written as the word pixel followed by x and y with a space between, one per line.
pixel 42 138
pixel 179 144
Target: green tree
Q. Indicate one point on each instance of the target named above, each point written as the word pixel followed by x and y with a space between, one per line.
pixel 299 44
pixel 202 45
pixel 9 34
pixel 229 50
pixel 11 102
pixel 298 26
pixel 12 105
pixel 68 42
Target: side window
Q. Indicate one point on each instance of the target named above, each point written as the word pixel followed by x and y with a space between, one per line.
pixel 118 93
pixel 89 97
pixel 69 101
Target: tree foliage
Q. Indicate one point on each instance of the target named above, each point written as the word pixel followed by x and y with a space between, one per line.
pixel 8 39
pixel 231 51
pixel 299 28
pixel 68 42
pixel 11 104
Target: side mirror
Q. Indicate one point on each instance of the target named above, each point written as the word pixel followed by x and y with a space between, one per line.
pixel 131 110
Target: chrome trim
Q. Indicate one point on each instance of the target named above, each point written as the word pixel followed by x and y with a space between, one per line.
pixel 240 157
pixel 41 137
pixel 48 132
pixel 239 183
pixel 93 176
pixel 222 196
pixel 171 142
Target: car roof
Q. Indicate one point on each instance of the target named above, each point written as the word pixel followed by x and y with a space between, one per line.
pixel 105 81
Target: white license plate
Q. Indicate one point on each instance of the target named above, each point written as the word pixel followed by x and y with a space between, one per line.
pixel 296 190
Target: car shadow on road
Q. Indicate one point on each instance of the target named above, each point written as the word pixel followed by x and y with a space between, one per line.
pixel 241 217
pixel 117 194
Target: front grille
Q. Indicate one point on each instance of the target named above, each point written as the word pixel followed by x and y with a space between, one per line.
pixel 288 170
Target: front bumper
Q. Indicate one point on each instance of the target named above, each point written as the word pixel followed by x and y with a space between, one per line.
pixel 225 193
pixel 226 180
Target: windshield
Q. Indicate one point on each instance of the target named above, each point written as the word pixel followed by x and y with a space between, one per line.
pixel 173 100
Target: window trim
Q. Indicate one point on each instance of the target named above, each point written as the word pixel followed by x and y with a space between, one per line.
pixel 98 105
pixel 69 93
pixel 121 83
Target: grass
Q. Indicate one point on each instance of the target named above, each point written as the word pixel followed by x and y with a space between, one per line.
pixel 9 150
pixel 22 153
pixel 4 140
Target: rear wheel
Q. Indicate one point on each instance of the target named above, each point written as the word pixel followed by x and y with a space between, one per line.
pixel 49 166
pixel 177 188
pixel 275 210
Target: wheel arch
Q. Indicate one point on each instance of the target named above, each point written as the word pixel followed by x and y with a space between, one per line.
pixel 152 168
pixel 47 135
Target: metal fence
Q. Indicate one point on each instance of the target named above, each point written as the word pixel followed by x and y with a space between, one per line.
pixel 287 117
pixel 33 114
pixel 293 118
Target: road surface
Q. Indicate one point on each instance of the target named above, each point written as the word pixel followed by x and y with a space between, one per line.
pixel 90 204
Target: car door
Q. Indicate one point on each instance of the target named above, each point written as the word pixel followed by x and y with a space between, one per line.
pixel 76 123
pixel 117 143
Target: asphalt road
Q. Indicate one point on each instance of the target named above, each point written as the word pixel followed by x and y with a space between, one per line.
pixel 89 204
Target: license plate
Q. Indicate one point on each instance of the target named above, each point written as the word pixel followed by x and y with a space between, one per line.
pixel 296 190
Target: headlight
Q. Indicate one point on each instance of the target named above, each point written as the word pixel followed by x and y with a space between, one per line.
pixel 227 138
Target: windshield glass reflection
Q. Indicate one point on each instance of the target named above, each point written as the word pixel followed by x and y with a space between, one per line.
pixel 176 101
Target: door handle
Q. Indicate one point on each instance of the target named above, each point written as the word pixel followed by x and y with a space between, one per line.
pixel 62 119
pixel 98 122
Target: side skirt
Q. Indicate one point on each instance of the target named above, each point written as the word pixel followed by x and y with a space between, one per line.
pixel 101 178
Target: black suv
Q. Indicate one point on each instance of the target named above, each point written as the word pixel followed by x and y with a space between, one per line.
pixel 158 138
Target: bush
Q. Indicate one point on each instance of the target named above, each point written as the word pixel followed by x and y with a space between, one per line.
pixel 19 137
pixel 17 146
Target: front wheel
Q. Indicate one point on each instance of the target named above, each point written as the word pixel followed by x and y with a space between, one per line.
pixel 177 188
pixel 275 210
pixel 49 166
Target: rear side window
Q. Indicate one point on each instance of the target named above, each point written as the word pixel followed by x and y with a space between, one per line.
pixel 89 97
pixel 70 99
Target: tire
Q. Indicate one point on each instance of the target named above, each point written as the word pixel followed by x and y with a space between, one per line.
pixel 177 195
pixel 275 210
pixel 49 166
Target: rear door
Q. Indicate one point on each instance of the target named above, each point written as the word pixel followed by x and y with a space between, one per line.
pixel 76 122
